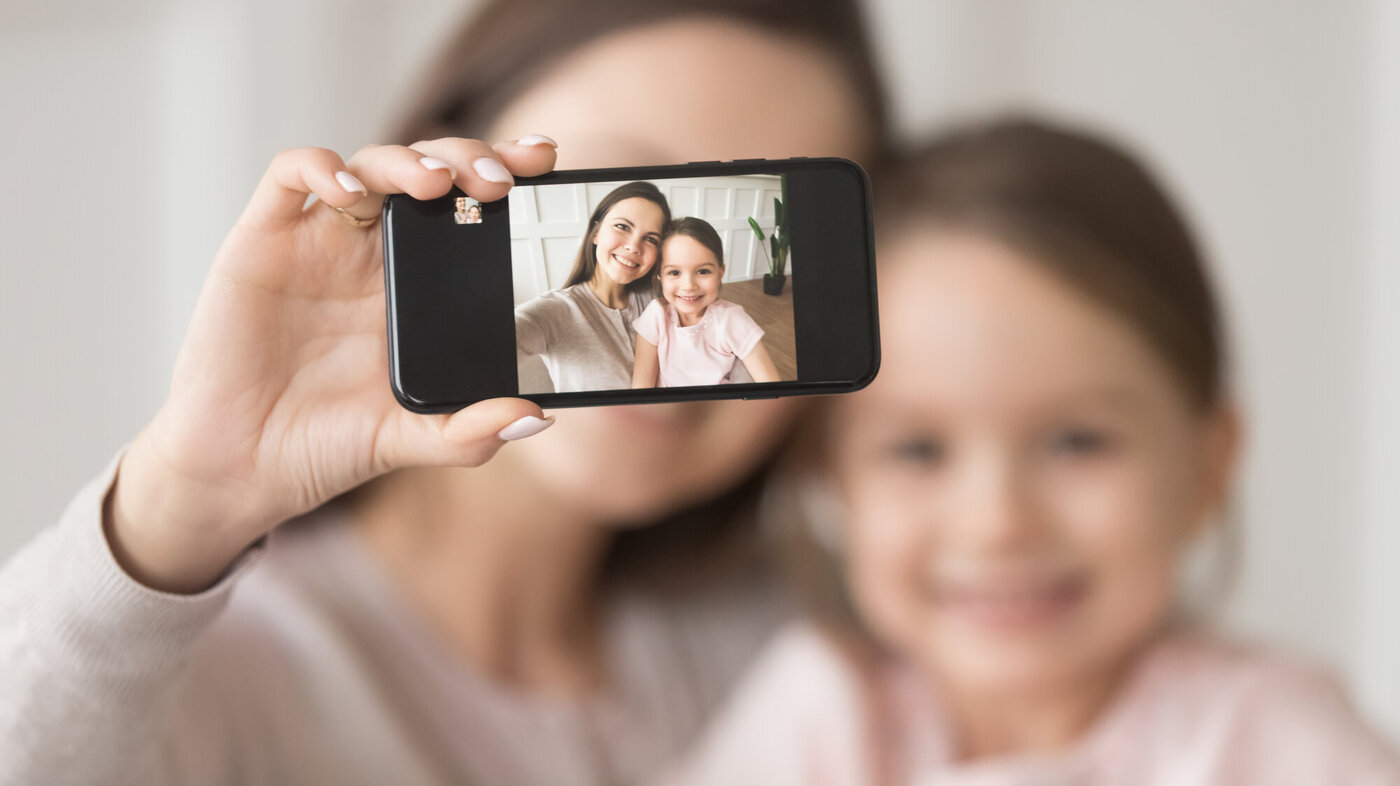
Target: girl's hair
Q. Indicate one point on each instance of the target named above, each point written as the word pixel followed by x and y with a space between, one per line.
pixel 1085 209
pixel 509 44
pixel 699 230
pixel 587 260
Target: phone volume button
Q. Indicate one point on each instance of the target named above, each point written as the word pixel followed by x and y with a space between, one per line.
pixel 693 163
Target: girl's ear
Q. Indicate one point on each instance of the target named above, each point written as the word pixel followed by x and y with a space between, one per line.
pixel 1222 437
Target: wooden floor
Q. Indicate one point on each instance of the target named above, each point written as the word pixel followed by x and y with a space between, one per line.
pixel 774 315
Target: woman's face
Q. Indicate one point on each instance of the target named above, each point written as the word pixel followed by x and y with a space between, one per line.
pixel 628 240
pixel 1020 479
pixel 690 277
pixel 695 99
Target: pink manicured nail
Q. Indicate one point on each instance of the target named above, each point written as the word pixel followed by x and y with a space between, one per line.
pixel 536 139
pixel 349 182
pixel 436 164
pixel 527 426
pixel 491 169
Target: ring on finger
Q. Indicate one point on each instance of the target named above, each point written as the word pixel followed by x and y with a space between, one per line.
pixel 352 219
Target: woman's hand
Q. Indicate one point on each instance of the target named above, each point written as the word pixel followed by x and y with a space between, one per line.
pixel 280 397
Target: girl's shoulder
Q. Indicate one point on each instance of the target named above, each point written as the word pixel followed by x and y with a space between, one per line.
pixel 1199 702
pixel 798 715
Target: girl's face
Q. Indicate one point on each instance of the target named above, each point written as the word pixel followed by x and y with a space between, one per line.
pixel 690 277
pixel 629 239
pixel 594 460
pixel 474 212
pixel 1021 476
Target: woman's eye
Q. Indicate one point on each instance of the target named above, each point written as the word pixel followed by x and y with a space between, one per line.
pixel 653 240
pixel 1079 441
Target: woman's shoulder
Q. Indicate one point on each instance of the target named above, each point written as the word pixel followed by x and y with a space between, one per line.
pixel 1261 714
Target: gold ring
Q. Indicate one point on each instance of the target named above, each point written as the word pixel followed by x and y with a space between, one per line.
pixel 352 219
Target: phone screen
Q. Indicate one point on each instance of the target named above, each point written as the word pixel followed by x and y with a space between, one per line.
pixel 576 289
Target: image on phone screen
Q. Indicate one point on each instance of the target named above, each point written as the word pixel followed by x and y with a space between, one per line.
pixel 687 294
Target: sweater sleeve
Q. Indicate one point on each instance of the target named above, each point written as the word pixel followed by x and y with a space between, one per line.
pixel 90 660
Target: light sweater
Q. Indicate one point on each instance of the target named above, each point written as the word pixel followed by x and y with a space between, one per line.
pixel 1195 711
pixel 584 344
pixel 304 666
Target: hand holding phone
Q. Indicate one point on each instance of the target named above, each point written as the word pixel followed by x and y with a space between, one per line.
pixel 279 399
pixel 701 281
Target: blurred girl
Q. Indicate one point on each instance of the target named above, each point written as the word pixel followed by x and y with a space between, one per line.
pixel 1011 501
pixel 690 336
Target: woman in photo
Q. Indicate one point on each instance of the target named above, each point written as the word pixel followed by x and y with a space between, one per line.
pixel 583 332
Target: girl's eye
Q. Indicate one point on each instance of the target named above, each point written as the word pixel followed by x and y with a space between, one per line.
pixel 919 451
pixel 1080 442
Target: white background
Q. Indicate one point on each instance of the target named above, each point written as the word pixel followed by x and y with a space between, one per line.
pixel 547 224
pixel 134 132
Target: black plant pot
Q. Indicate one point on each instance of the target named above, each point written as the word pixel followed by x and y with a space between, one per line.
pixel 773 285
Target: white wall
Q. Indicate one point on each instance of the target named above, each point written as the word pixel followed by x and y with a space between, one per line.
pixel 134 133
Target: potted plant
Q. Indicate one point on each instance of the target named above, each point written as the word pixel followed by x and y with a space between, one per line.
pixel 776 276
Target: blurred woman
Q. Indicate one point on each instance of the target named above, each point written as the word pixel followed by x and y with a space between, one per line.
pixel 541 618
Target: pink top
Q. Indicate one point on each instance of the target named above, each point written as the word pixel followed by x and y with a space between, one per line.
pixel 1196 710
pixel 703 353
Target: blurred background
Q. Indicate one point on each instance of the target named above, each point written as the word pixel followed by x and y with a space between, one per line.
pixel 133 134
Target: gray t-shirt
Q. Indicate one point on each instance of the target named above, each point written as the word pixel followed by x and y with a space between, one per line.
pixel 584 344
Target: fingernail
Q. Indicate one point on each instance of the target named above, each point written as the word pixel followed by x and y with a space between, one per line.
pixel 527 426
pixel 491 169
pixel 349 182
pixel 436 164
pixel 536 139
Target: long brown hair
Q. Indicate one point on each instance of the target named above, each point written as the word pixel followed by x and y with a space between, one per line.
pixel 508 44
pixel 587 260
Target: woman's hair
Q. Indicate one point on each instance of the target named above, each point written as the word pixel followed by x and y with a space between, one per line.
pixel 699 230
pixel 508 44
pixel 1088 211
pixel 587 260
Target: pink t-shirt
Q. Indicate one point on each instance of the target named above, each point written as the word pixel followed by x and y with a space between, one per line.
pixel 1195 711
pixel 703 353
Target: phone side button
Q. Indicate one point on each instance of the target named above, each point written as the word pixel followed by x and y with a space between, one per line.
pixel 749 160
pixel 693 163
pixel 761 397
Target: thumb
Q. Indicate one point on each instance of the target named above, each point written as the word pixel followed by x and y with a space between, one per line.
pixel 466 438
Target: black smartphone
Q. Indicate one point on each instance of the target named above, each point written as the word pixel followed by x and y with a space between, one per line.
pixel 739 279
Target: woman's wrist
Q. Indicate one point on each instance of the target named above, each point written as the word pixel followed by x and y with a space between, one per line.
pixel 167 532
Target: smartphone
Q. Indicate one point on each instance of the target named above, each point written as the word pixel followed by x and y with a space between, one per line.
pixel 739 279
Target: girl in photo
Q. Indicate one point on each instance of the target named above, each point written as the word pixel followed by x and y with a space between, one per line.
pixel 1010 505
pixel 583 331
pixel 690 336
